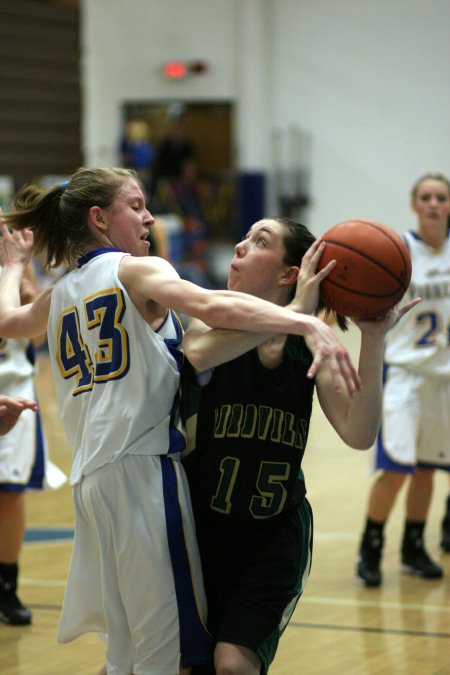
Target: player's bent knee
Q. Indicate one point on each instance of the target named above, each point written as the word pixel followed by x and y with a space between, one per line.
pixel 233 659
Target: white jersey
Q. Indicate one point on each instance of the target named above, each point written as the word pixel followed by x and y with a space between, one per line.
pixel 18 447
pixel 16 366
pixel 116 379
pixel 23 450
pixel 421 340
pixel 135 572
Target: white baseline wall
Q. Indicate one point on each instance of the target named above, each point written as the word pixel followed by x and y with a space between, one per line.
pixel 366 82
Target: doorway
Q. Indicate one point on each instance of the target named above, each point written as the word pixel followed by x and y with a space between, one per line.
pixel 208 126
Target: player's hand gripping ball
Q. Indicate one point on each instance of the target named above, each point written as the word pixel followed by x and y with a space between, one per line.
pixel 372 272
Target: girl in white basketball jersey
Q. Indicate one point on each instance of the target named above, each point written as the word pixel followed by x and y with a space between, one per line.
pixel 115 351
pixel 414 438
pixel 22 463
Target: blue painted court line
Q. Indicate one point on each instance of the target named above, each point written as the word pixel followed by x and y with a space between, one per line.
pixel 42 534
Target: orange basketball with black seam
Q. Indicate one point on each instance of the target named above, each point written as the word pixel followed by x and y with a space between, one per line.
pixel 372 272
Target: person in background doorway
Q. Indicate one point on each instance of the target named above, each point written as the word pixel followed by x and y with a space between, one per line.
pixel 190 197
pixel 174 150
pixel 138 151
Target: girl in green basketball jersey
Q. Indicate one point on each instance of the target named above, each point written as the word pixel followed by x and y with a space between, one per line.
pixel 247 423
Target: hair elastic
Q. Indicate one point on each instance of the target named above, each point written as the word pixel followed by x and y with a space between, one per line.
pixel 63 184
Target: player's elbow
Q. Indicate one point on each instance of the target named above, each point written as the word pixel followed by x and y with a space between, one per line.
pixel 8 329
pixel 363 445
pixel 361 439
pixel 196 356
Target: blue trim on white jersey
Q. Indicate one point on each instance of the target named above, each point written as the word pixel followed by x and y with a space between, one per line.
pixel 177 439
pixel 86 257
pixel 36 481
pixel 174 344
pixel 417 236
pixel 195 641
pixel 38 471
pixel 382 460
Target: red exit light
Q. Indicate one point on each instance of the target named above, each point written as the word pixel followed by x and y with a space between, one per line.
pixel 175 70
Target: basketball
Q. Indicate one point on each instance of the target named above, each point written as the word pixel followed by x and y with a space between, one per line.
pixel 372 272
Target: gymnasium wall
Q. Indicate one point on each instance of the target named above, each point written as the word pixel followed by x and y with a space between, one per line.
pixel 40 103
pixel 357 88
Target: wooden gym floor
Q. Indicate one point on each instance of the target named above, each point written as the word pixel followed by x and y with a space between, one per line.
pixel 402 628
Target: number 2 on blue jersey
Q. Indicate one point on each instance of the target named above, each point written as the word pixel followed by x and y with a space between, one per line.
pixel 431 325
pixel 103 312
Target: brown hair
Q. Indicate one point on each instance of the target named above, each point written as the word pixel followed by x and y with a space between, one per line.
pixel 297 239
pixel 58 215
pixel 429 176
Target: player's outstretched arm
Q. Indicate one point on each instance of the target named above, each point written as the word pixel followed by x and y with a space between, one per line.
pixel 151 280
pixel 207 347
pixel 16 321
pixel 357 420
